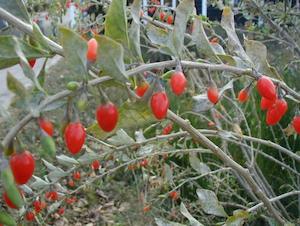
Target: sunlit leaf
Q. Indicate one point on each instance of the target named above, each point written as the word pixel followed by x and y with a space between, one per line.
pixel 116 22
pixel 183 11
pixel 238 218
pixel 111 58
pixel 75 48
pixel 210 203
pixel 234 45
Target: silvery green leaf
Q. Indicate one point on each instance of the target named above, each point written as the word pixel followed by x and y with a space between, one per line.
pixel 65 160
pixel 88 157
pixel 186 213
pixel 39 183
pixel 121 138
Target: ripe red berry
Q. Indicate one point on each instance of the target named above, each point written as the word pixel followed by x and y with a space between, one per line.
pixel 146 208
pixel 178 83
pixel 276 112
pixel 51 195
pixel 76 175
pixel 8 202
pixel 162 16
pixel 159 105
pixel 265 103
pixel 32 62
pixel 174 195
pixel 213 94
pixel 74 137
pixel 30 216
pixel 144 163
pixel 141 90
pixel 296 123
pixel 71 183
pixel 266 88
pixel 71 200
pixel 95 165
pixel 168 128
pixel 107 116
pixel 170 19
pixel 22 166
pixel 37 206
pixel 46 126
pixel 61 211
pixel 282 106
pixel 91 54
pixel 243 95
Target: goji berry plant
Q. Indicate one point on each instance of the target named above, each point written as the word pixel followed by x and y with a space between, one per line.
pixel 179 114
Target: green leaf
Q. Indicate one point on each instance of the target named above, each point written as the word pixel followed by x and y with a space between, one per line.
pixel 8 56
pixel 15 86
pixel 88 157
pixel 238 218
pixel 11 189
pixel 39 183
pixel 116 22
pixel 42 74
pixel 132 116
pixel 257 52
pixel 75 48
pixel 210 203
pixel 121 138
pixel 16 8
pixel 202 42
pixel 7 219
pixel 111 58
pixel 48 146
pixel 234 45
pixel 183 11
pixel 28 72
pixel 186 213
pixel 195 163
pixel 134 31
pixel 164 222
pixel 67 161
pixel 39 37
pixel 161 37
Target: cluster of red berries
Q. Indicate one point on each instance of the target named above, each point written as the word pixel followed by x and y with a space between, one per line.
pixel 271 101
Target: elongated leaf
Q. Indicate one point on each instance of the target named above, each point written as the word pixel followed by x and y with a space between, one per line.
pixel 16 8
pixel 8 56
pixel 161 37
pixel 39 183
pixel 210 203
pixel 111 58
pixel 57 174
pixel 65 160
pixel 134 30
pixel 202 42
pixel 15 86
pixel 39 37
pixel 28 71
pixel 121 138
pixel 257 52
pixel 183 11
pixel 88 157
pixel 11 189
pixel 195 163
pixel 75 48
pixel 116 22
pixel 7 219
pixel 234 45
pixel 186 213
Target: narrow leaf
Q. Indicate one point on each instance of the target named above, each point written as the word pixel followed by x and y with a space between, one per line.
pixel 186 213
